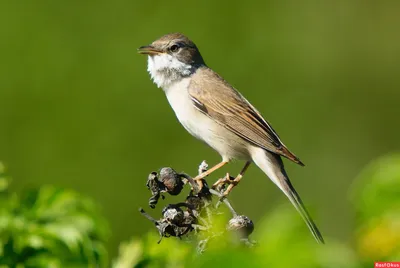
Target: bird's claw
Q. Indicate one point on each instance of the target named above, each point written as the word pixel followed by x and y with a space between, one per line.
pixel 220 183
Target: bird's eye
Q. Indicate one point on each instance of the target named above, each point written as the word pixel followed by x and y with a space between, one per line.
pixel 174 48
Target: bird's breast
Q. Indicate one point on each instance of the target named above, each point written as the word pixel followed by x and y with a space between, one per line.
pixel 180 101
pixel 225 142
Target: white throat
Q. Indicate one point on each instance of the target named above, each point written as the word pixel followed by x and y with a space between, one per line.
pixel 165 69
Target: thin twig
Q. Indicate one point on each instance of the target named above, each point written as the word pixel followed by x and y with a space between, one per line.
pixel 150 218
pixel 225 200
pixel 191 181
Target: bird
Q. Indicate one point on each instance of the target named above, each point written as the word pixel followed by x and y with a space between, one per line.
pixel 211 110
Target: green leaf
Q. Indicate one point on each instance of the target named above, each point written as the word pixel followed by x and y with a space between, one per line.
pixel 52 227
pixel 377 188
pixel 130 254
pixel 376 199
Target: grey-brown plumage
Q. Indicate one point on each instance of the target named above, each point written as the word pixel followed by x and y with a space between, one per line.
pixel 213 111
pixel 213 96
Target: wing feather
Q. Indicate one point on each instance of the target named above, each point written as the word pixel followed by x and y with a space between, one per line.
pixel 214 97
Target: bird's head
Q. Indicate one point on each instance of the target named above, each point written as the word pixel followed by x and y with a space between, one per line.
pixel 170 58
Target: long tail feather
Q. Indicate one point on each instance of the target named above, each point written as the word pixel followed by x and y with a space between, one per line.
pixel 295 199
pixel 272 166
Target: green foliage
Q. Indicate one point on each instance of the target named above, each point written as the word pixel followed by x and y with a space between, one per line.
pixel 376 199
pixel 282 242
pixel 50 227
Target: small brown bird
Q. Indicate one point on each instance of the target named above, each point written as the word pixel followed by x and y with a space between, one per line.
pixel 213 111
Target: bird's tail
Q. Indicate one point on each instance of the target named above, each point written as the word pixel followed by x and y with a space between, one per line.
pixel 272 165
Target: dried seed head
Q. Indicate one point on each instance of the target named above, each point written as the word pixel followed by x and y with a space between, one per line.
pixel 152 182
pixel 189 218
pixel 156 187
pixel 173 214
pixel 171 180
pixel 195 201
pixel 241 225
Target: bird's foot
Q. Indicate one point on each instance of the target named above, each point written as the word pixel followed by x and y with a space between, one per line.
pixel 219 185
pixel 230 188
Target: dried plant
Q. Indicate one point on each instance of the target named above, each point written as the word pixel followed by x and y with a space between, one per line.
pixel 195 213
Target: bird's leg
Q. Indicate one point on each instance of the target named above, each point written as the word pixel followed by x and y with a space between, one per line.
pixel 211 170
pixel 237 179
pixel 200 183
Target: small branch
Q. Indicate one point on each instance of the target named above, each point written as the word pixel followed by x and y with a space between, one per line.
pixel 191 181
pixel 150 218
pixel 225 200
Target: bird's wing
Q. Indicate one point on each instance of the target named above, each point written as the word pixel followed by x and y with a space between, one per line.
pixel 214 97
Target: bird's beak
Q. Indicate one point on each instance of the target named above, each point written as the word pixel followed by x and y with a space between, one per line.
pixel 148 50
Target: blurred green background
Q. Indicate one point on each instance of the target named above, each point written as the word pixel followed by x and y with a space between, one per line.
pixel 78 110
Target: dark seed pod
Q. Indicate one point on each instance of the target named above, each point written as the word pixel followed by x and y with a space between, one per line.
pixel 171 180
pixel 166 229
pixel 154 200
pixel 187 222
pixel 195 201
pixel 153 183
pixel 189 218
pixel 173 214
pixel 241 225
pixel 155 186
